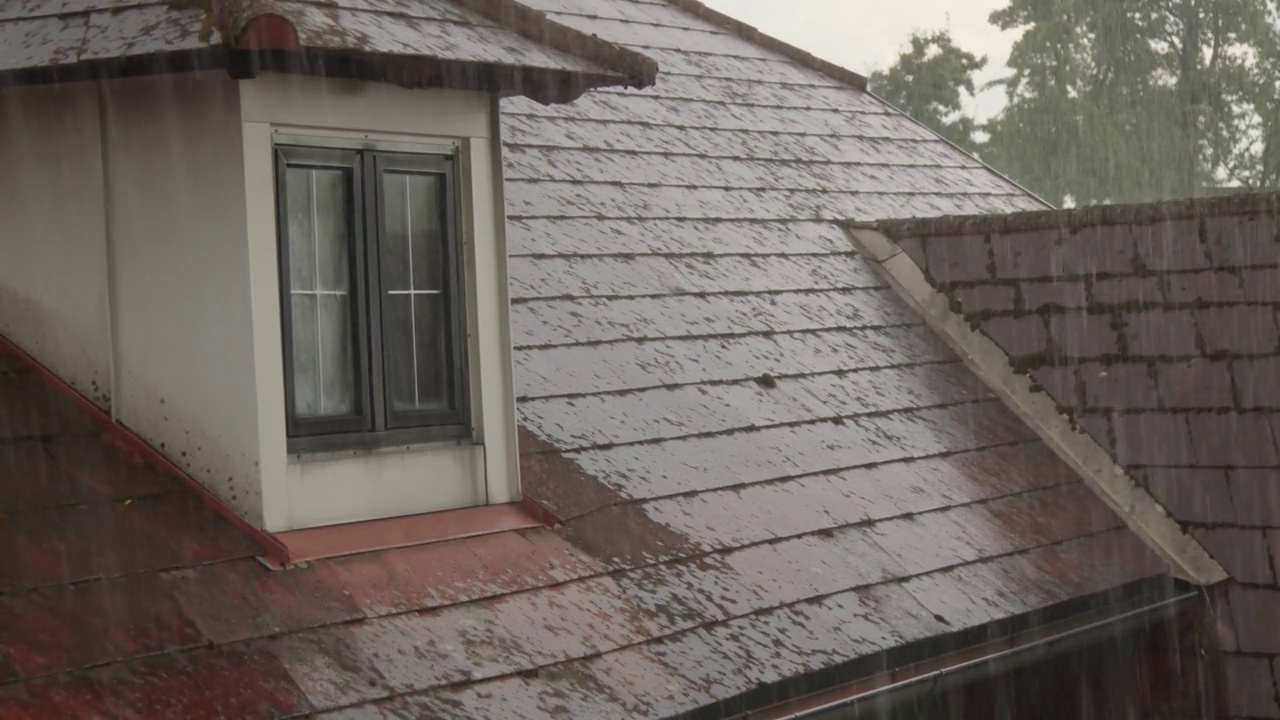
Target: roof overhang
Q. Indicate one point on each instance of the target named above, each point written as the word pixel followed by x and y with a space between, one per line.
pixel 519 50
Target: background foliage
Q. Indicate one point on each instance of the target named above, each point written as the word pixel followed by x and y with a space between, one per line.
pixel 1113 100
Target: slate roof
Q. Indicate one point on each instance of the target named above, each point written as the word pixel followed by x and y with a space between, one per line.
pixel 1155 327
pixel 45 34
pixel 771 475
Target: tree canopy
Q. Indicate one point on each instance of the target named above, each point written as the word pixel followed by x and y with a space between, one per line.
pixel 1115 100
pixel 926 83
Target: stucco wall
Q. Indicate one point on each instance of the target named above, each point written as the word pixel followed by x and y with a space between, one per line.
pixel 140 263
pixel 180 277
pixel 53 252
pixel 302 492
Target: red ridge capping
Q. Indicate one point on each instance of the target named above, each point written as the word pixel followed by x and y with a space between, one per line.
pixel 268 32
pixel 118 435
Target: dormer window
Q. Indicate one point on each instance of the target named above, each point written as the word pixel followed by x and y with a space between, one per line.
pixel 372 296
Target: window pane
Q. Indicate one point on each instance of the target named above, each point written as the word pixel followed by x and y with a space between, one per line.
pixel 319 225
pixel 415 302
pixel 301 229
pixel 306 358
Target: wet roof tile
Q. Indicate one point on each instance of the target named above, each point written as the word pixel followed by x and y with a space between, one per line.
pixel 43 35
pixel 1179 362
pixel 765 464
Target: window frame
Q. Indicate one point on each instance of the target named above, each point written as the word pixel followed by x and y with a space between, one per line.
pixel 373 426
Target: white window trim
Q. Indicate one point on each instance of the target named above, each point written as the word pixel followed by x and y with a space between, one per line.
pixel 492 454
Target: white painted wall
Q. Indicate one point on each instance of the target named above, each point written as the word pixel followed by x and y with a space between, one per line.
pixel 53 251
pixel 182 299
pixel 317 490
pixel 138 259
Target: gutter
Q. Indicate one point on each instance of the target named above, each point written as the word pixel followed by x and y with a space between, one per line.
pixel 859 700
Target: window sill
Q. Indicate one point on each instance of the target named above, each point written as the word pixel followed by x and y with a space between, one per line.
pixel 329 447
pixel 374 535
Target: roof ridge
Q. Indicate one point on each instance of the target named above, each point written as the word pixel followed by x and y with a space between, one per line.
pixel 752 34
pixel 1086 216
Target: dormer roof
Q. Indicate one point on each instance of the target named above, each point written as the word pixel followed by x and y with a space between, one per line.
pixel 494 45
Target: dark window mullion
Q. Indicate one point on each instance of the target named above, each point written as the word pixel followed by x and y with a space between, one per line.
pixel 374 228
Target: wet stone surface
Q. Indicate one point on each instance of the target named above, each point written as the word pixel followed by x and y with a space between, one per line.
pixel 1185 396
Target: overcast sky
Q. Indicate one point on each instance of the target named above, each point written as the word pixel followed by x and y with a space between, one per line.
pixel 864 35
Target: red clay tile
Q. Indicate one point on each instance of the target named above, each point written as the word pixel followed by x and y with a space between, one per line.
pixel 1242 553
pixel 1257 496
pixel 1154 438
pixel 1239 329
pixel 1191 495
pixel 985 298
pixel 12 365
pixel 1258 380
pixel 29 478
pixel 248 682
pixel 161 687
pixel 1126 290
pixel 1160 332
pixel 242 599
pixel 1233 440
pixel 1079 334
pixel 1018 336
pixel 33 410
pixel 78 542
pixel 1257 615
pixel 1171 246
pixel 41 640
pixel 1197 383
pixel 109 471
pixel 1118 386
pixel 958 259
pixel 67 696
pixel 1250 687
pixel 1065 294
pixel 68 627
pixel 459 571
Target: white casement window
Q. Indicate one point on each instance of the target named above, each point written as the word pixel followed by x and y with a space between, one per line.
pixel 372 296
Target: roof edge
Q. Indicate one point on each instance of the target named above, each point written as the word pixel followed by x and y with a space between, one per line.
pixel 1081 217
pixel 752 34
pixel 1139 510
pixel 264 24
pixel 641 71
